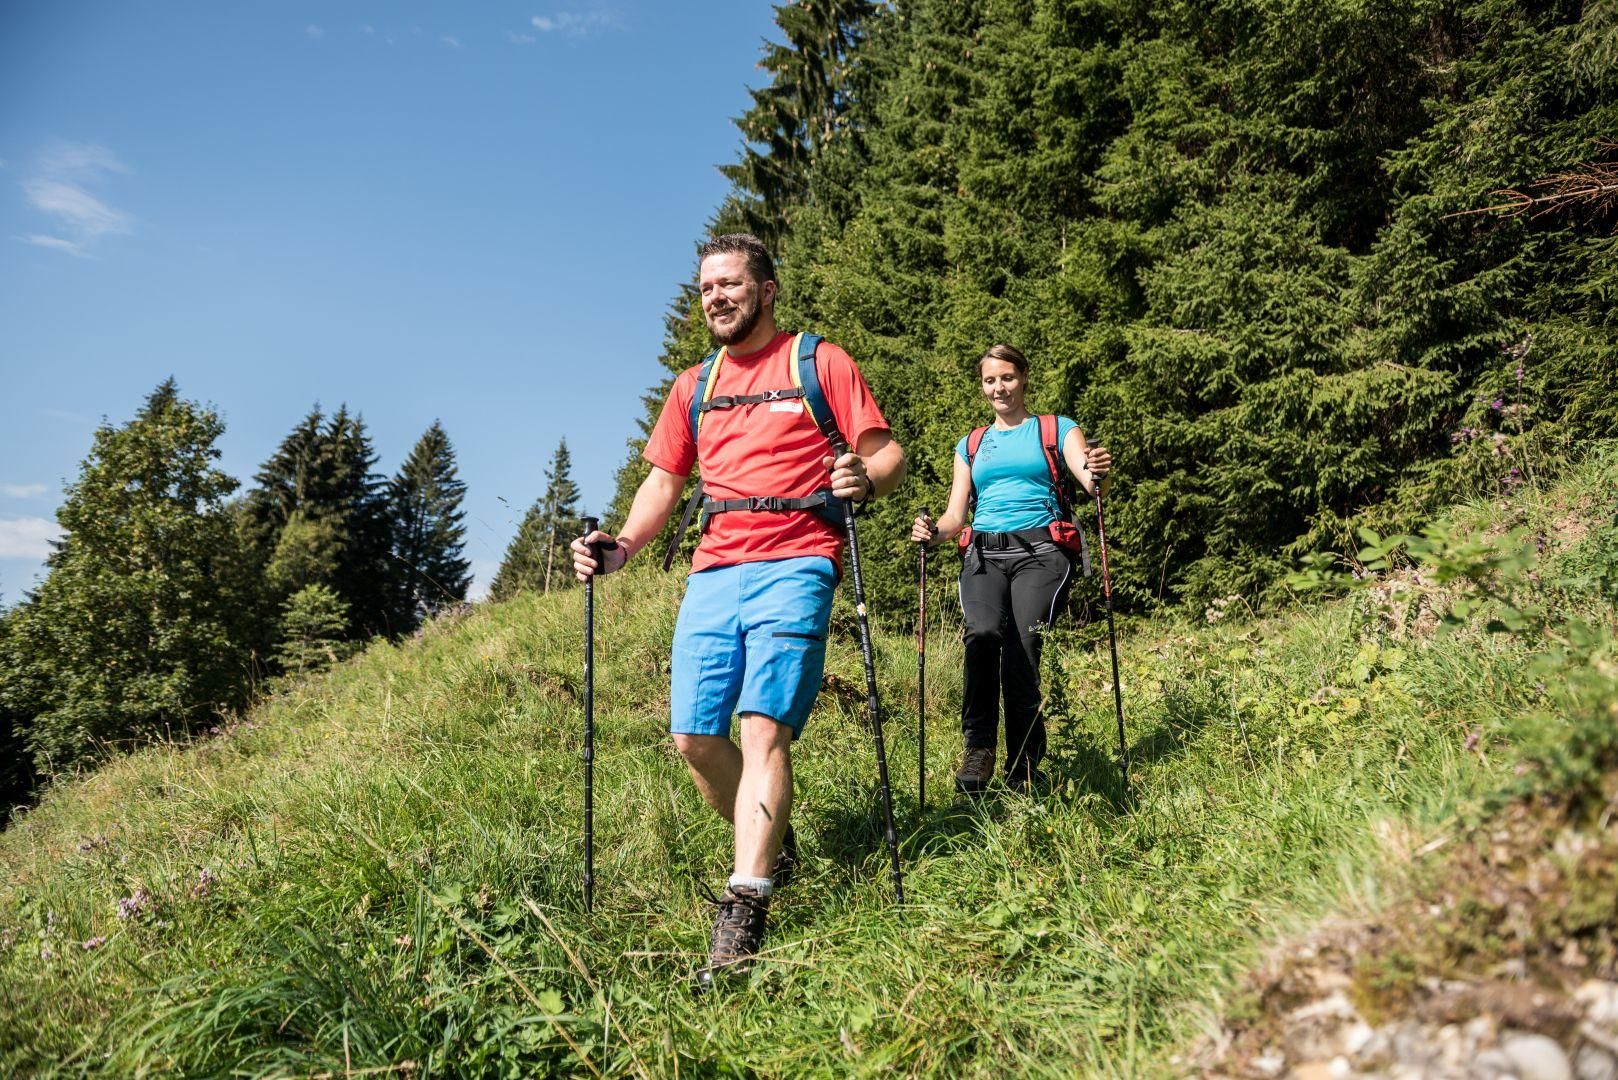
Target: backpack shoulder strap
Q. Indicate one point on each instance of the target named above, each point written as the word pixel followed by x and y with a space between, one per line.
pixel 707 379
pixel 807 378
pixel 973 441
pixel 1048 428
pixel 703 391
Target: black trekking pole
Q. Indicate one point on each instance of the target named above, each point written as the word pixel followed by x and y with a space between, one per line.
pixel 921 675
pixel 870 688
pixel 1112 635
pixel 590 526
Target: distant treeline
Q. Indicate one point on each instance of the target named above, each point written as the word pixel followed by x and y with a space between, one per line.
pixel 1232 236
pixel 170 601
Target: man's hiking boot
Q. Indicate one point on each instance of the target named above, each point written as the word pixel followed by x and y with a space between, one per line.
pixel 738 931
pixel 786 860
pixel 976 770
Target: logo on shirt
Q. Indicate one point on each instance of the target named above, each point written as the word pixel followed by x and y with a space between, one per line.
pixel 786 406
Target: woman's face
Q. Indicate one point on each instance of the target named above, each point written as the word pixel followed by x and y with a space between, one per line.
pixel 1003 385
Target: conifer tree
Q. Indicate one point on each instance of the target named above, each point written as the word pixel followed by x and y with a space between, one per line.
pixel 538 557
pixel 313 621
pixel 424 502
pixel 133 634
pixel 16 766
pixel 797 113
pixel 319 513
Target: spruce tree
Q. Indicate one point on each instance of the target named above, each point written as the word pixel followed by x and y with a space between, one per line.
pixel 424 503
pixel 367 577
pixel 799 111
pixel 313 621
pixel 133 635
pixel 319 513
pixel 17 777
pixel 538 558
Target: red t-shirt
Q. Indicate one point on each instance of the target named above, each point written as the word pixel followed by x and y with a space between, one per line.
pixel 769 448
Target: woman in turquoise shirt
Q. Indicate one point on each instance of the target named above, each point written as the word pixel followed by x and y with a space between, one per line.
pixel 1015 577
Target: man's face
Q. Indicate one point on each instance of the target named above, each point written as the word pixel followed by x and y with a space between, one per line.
pixel 732 300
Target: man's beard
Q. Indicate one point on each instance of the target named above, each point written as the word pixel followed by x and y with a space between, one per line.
pixel 747 317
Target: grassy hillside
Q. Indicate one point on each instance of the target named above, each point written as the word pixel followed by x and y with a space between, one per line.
pixel 378 870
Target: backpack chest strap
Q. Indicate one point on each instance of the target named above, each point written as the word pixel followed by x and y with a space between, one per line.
pixel 730 401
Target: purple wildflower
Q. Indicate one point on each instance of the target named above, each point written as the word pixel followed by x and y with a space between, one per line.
pixel 1497 404
pixel 93 943
pixel 133 905
pixel 1472 738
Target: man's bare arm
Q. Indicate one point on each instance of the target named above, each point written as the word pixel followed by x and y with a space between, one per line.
pixel 655 500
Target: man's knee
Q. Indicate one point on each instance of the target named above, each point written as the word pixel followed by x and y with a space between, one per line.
pixel 700 750
pixel 763 736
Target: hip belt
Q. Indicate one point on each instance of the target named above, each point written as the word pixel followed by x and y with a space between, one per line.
pixel 1011 541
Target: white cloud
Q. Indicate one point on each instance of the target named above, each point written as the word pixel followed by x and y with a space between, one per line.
pixel 575 24
pixel 78 161
pixel 54 242
pixel 313 31
pixel 520 39
pixel 370 31
pixel 73 207
pixel 59 189
pixel 483 571
pixel 23 491
pixel 451 41
pixel 27 538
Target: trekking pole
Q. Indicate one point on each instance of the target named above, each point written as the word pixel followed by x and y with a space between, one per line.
pixel 921 674
pixel 838 451
pixel 1112 635
pixel 590 526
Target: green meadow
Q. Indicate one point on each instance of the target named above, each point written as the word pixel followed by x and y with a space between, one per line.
pixel 377 871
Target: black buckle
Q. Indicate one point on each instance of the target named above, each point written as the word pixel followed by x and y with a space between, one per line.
pixel 769 395
pixel 762 502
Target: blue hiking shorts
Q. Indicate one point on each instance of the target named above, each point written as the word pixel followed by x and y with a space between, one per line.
pixel 751 638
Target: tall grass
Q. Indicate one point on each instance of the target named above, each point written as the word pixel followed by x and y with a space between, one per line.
pixel 379 869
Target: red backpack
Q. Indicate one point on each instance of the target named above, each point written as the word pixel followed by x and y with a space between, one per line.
pixel 1063 532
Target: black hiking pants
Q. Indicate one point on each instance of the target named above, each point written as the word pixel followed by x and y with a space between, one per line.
pixel 1008 599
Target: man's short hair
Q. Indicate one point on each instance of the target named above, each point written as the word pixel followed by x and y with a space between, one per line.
pixel 759 263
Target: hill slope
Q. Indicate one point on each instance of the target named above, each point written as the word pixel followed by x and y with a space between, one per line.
pixel 379 869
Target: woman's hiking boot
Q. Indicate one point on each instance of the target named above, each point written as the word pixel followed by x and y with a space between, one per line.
pixel 738 931
pixel 976 770
pixel 786 861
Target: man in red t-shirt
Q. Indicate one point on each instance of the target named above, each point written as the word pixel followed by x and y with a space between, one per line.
pixel 751 636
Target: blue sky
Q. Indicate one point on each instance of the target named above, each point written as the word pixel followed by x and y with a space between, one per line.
pixel 471 213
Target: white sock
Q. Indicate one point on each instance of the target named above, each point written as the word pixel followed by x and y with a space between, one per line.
pixel 761 885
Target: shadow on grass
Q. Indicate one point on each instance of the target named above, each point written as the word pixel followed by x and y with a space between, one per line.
pixel 1080 766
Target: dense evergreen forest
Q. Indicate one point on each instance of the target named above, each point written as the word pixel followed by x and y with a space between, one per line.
pixel 1280 257
pixel 170 602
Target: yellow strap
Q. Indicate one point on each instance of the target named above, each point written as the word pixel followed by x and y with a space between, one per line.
pixel 797 379
pixel 713 381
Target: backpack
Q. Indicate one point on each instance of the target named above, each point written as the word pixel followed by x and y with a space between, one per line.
pixel 805 386
pixel 1064 533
